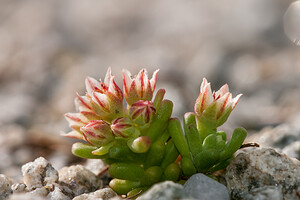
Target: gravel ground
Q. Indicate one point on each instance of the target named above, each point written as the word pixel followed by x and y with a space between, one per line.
pixel 47 48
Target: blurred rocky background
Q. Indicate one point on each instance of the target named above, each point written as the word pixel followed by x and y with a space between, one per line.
pixel 47 48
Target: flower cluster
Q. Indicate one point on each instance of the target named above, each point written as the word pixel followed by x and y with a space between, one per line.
pixel 140 140
pixel 101 118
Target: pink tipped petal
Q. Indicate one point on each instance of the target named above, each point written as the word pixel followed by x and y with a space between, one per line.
pixel 91 85
pixel 236 100
pixel 108 76
pixel 222 103
pixel 82 103
pixel 207 97
pixel 153 80
pixel 114 88
pixel 203 85
pixel 73 134
pixel 141 80
pixel 101 100
pixel 127 81
pixel 222 91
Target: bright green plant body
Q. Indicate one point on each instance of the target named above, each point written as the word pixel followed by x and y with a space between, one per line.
pixel 142 143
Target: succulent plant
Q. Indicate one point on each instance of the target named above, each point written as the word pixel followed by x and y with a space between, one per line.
pixel 140 141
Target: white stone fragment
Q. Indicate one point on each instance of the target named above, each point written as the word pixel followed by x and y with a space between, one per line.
pixel 79 179
pixel 5 184
pixel 39 173
pixel 18 187
pixel 102 194
pixel 57 194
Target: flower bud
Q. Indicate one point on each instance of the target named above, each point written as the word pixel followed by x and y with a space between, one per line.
pixel 214 107
pixel 140 87
pixel 123 127
pixel 140 144
pixel 142 112
pixel 97 133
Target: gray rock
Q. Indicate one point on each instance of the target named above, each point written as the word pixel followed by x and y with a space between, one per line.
pixel 39 173
pixel 167 190
pixel 102 194
pixel 265 193
pixel 18 187
pixel 79 179
pixel 259 167
pixel 57 194
pixel 292 150
pixel 202 187
pixel 5 184
pixel 27 196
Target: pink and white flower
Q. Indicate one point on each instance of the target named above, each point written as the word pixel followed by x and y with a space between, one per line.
pixel 97 133
pixel 105 97
pixel 140 87
pixel 215 105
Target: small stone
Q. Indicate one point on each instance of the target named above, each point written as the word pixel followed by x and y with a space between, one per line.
pixel 265 193
pixel 43 191
pixel 95 165
pixel 57 194
pixel 167 190
pixel 202 187
pixel 37 194
pixel 254 168
pixel 79 179
pixel 5 186
pixel 39 173
pixel 18 187
pixel 102 194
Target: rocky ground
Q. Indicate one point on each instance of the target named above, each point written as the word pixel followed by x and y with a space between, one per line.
pixel 47 48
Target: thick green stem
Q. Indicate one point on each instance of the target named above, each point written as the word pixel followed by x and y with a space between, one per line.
pixel 160 120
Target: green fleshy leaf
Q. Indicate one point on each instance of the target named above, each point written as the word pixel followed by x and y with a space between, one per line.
pixel 206 159
pixel 121 152
pixel 158 98
pixel 178 137
pixel 172 172
pixel 235 142
pixel 127 171
pixel 155 154
pixel 170 155
pixel 188 167
pixel 152 175
pixel 194 140
pixel 123 186
pixel 85 151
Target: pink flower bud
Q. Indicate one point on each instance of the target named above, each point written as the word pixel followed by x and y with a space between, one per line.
pixel 142 112
pixel 106 97
pixel 123 127
pixel 140 144
pixel 140 87
pixel 97 133
pixel 215 106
